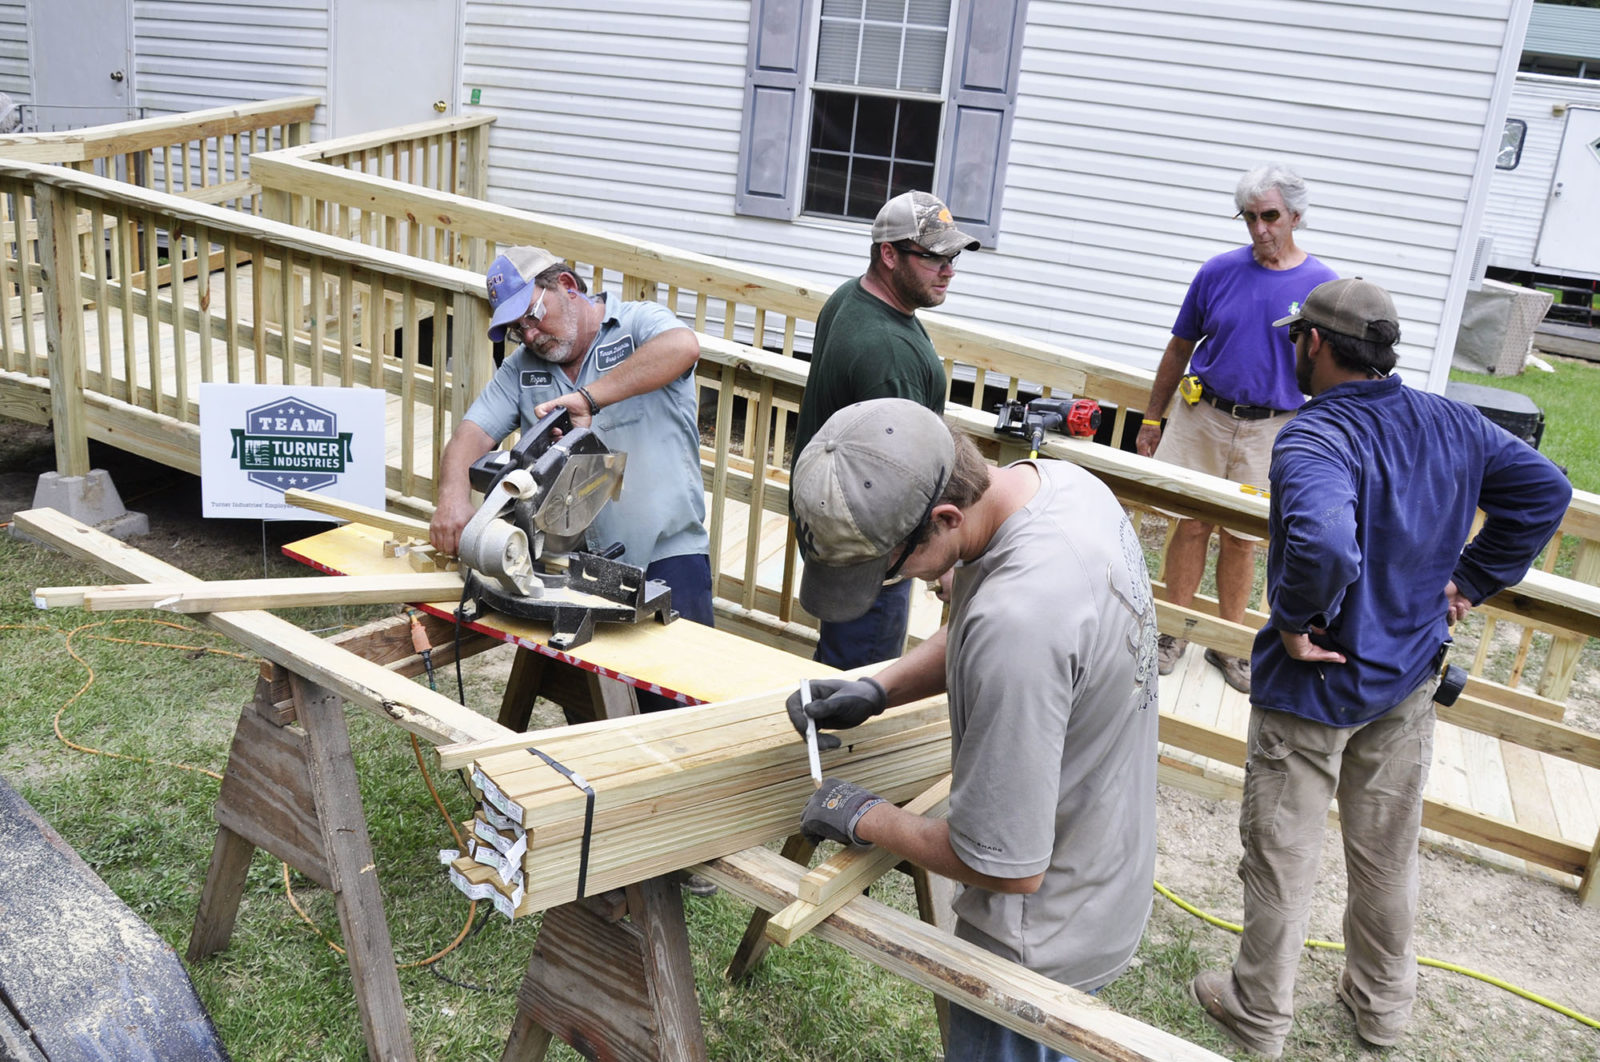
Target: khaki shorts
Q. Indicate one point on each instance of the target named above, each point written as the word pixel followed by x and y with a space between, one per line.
pixel 1204 439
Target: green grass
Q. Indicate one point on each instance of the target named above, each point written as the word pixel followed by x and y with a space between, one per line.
pixel 1570 398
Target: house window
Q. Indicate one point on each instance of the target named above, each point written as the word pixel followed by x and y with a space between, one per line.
pixel 877 96
pixel 850 102
pixel 1511 139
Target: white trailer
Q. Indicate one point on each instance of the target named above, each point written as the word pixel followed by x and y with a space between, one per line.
pixel 1544 196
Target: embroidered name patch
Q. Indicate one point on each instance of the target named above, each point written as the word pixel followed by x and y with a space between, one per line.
pixel 536 378
pixel 613 353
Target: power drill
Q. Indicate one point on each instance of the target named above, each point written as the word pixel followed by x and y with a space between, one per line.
pixel 1077 417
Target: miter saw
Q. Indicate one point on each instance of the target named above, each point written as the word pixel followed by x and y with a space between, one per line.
pixel 521 553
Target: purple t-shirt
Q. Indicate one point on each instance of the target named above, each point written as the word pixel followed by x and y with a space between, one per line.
pixel 1229 311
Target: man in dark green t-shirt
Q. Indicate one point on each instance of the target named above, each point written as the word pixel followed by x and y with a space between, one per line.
pixel 869 344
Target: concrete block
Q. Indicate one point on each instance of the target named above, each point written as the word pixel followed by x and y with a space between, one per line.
pixel 91 499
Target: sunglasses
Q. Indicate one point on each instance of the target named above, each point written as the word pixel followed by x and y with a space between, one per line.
pixel 928 256
pixel 1251 217
pixel 1298 329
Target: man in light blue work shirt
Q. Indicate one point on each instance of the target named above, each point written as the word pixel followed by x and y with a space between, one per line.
pixel 626 369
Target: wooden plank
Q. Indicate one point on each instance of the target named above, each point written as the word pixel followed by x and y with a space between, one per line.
pixel 64 331
pixel 417 709
pixel 236 595
pixel 1047 1011
pixel 361 514
pixel 838 880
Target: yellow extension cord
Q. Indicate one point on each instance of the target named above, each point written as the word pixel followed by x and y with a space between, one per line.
pixel 1421 960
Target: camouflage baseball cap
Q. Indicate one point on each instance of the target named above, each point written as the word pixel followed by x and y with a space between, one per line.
pixel 921 217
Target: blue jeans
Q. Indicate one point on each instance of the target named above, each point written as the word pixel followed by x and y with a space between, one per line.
pixel 689 577
pixel 977 1039
pixel 878 635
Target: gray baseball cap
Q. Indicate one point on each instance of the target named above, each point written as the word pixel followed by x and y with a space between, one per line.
pixel 921 217
pixel 862 486
pixel 1348 306
pixel 509 283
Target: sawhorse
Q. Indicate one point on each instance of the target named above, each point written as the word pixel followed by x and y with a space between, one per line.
pixel 612 974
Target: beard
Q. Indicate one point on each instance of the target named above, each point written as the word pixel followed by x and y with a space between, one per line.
pixel 913 289
pixel 558 348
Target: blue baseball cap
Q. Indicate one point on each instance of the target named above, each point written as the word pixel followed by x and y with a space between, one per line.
pixel 511 287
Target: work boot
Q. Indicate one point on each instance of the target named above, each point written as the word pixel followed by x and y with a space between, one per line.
pixel 1213 991
pixel 1370 1030
pixel 1235 669
pixel 1169 651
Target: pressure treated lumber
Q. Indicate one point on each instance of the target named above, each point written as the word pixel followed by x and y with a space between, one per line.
pixel 1060 1017
pixel 672 789
pixel 836 881
pixel 360 514
pixel 416 708
pixel 238 595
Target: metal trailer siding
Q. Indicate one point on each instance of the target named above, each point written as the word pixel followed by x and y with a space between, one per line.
pixel 15 77
pixel 1514 213
pixel 190 56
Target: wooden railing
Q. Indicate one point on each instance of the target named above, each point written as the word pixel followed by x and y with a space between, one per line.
pixel 357 316
pixel 136 344
pixel 203 156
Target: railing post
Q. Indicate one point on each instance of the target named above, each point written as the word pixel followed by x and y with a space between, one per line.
pixel 275 206
pixel 63 326
pixel 471 357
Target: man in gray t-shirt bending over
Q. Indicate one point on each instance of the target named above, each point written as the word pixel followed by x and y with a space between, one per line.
pixel 1049 663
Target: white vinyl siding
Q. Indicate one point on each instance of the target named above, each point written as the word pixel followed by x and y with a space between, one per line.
pixel 190 56
pixel 1133 123
pixel 15 80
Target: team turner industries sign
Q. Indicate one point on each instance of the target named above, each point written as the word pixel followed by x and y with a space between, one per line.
pixel 258 441
pixel 291 444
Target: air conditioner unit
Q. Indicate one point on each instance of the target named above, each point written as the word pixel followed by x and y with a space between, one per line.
pixel 1497 325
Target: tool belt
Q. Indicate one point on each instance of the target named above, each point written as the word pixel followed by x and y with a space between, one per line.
pixel 1236 410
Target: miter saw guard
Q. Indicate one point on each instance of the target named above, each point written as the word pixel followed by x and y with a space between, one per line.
pixel 520 553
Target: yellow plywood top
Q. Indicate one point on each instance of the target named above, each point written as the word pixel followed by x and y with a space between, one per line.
pixel 681 658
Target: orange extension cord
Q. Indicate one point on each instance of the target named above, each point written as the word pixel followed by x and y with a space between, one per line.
pixel 55 723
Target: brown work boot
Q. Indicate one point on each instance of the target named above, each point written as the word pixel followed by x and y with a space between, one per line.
pixel 1213 990
pixel 1370 1030
pixel 1169 651
pixel 1235 669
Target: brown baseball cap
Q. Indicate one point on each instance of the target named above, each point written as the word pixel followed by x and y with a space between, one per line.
pixel 863 484
pixel 1348 306
pixel 921 217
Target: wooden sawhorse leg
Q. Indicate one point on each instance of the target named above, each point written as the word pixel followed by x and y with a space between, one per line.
pixel 935 897
pixel 614 980
pixel 291 790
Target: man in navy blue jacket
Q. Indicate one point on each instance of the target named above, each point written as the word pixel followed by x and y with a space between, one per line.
pixel 1374 488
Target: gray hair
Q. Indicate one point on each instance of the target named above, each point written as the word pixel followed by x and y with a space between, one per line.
pixel 1274 176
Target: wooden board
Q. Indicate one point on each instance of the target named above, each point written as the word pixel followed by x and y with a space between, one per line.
pixel 684 660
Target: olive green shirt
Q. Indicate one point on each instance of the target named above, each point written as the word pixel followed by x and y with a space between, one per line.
pixel 865 348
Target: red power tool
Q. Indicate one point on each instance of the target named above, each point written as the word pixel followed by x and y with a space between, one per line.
pixel 1078 417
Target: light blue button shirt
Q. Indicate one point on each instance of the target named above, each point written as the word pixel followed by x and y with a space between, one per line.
pixel 662 510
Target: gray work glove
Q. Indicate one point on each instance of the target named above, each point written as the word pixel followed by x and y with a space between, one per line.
pixel 833 811
pixel 837 704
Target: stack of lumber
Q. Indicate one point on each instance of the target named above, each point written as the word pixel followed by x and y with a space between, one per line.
pixel 670 790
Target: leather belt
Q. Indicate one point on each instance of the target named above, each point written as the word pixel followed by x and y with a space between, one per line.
pixel 1239 411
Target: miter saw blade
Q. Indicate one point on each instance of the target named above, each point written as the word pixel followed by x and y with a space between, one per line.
pixel 575 497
